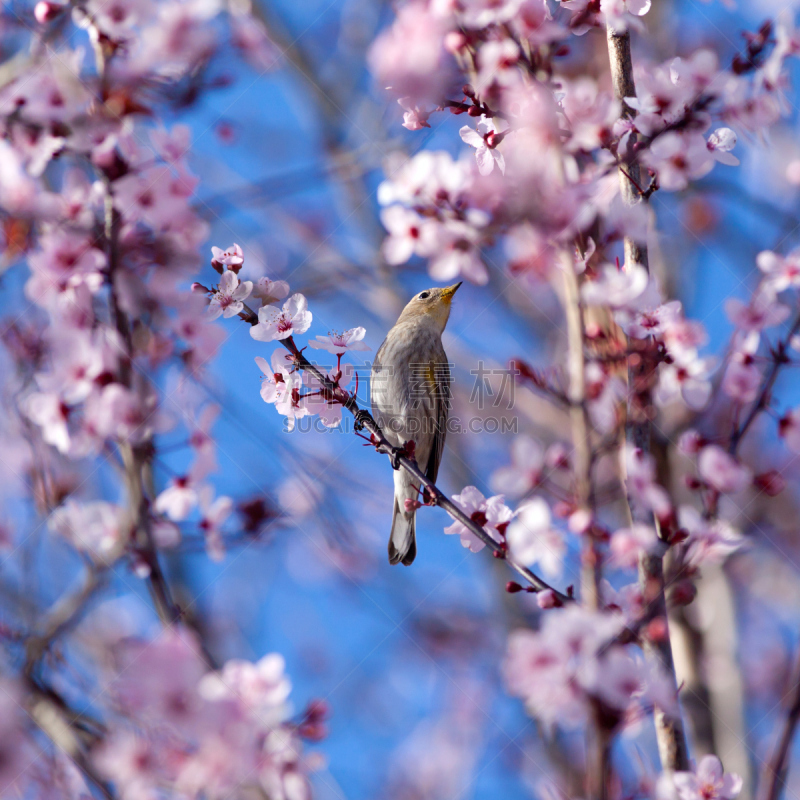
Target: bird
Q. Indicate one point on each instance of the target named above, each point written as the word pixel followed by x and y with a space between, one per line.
pixel 410 394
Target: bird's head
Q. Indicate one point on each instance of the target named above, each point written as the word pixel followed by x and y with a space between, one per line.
pixel 431 304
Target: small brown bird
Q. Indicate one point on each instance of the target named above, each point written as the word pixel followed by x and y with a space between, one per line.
pixel 410 390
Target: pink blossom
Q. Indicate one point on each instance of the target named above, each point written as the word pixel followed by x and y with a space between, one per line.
pixel 339 343
pixel 213 513
pixel 154 196
pixel 410 58
pixel 174 145
pixel 763 311
pixel 627 544
pixel 317 401
pixel 723 471
pixel 616 288
pixel 743 375
pixel 280 323
pixel 619 14
pixel 533 540
pixel 641 485
pixel 18 192
pixel 231 258
pixel 557 670
pixel 781 272
pixel 525 471
pixel 267 291
pixel 178 499
pixel 687 379
pixel 414 118
pixel 227 300
pixel 118 18
pixel 486 512
pixel 51 414
pixel 118 412
pixel 710 541
pixel 281 386
pixel 707 782
pixel 65 259
pixel 590 114
pixel 678 158
pixel 720 144
pixel 789 429
pixel 404 227
pixel 157 680
pixel 485 139
pixel 262 689
pixel 652 321
pixel 453 251
pixel 497 66
pixel 606 393
pixel 95 528
pixel 530 254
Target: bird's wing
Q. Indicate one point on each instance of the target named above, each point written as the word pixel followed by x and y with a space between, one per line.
pixel 440 370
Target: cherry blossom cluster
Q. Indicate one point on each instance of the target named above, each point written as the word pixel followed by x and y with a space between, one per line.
pixel 687 115
pixel 191 732
pixel 295 393
pixel 107 351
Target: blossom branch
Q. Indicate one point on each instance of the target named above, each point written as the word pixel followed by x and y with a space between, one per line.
pixel 400 459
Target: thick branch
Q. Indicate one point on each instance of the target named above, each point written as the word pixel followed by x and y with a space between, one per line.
pixel 671 738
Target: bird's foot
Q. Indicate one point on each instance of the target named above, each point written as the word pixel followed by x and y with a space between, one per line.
pixel 395 456
pixel 361 418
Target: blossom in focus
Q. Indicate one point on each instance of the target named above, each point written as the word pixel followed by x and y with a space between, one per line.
pixel 267 291
pixel 532 539
pixel 720 143
pixel 339 343
pixel 414 118
pixel 233 257
pixel 489 513
pixel 706 782
pixel 485 139
pixel 317 400
pixel 280 323
pixel 229 297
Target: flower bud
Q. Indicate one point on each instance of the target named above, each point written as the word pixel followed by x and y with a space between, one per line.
pixel 46 11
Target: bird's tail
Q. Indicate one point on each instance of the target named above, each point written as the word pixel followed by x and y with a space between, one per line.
pixel 403 539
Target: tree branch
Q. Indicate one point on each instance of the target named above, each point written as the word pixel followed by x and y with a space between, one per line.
pixel 365 420
pixel 671 737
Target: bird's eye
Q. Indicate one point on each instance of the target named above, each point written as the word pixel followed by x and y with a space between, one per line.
pixel 424 295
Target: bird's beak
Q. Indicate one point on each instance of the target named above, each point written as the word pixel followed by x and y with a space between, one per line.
pixel 448 293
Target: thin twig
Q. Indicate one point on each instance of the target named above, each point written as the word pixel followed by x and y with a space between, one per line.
pixel 774 775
